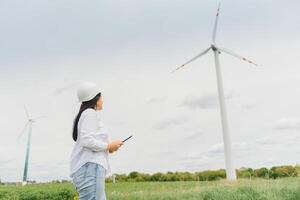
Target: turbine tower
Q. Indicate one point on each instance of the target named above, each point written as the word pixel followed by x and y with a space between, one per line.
pixel 230 170
pixel 30 124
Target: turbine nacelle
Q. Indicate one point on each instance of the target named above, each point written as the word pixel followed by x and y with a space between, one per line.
pixel 216 48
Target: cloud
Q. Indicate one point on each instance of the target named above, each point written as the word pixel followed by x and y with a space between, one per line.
pixel 270 161
pixel 293 141
pixel 287 140
pixel 44 165
pixel 166 151
pixel 242 146
pixel 192 160
pixel 192 156
pixel 170 122
pixel 267 140
pixel 195 161
pixel 5 162
pixel 199 160
pixel 60 90
pixel 206 101
pixel 287 124
pixel 214 156
pixel 216 148
pixel 248 106
pixel 156 100
pixel 193 135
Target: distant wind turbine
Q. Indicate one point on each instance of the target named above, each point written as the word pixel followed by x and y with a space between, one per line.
pixel 30 124
pixel 230 170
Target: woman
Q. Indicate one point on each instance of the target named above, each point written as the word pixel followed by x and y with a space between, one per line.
pixel 89 159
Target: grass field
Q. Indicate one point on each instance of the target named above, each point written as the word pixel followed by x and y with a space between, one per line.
pixel 259 189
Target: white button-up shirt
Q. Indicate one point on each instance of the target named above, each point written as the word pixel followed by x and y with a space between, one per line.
pixel 91 143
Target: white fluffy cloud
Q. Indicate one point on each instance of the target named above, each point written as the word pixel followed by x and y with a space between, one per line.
pixel 288 124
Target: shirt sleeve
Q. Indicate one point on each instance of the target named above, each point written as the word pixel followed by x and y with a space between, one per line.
pixel 88 129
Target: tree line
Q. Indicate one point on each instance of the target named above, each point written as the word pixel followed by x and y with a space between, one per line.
pixel 210 175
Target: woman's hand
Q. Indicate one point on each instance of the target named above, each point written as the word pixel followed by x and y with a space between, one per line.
pixel 114 146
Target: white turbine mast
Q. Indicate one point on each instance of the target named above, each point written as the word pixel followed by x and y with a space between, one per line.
pixel 230 170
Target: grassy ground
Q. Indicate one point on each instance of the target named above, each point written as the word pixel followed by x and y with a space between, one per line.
pixel 282 189
pixel 287 189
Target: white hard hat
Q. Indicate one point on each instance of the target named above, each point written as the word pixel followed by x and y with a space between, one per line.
pixel 87 91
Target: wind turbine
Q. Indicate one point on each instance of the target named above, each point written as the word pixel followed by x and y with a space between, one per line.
pixel 230 170
pixel 30 124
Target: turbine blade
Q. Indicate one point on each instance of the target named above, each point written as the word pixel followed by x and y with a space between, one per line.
pixel 39 117
pixel 195 58
pixel 216 25
pixel 26 111
pixel 23 130
pixel 236 55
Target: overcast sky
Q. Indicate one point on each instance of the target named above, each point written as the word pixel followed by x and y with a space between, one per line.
pixel 129 48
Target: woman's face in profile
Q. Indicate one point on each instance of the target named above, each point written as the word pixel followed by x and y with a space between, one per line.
pixel 99 103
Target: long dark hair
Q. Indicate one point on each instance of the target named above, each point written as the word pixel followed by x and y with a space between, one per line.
pixel 84 105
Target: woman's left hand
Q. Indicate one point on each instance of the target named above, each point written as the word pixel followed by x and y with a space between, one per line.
pixel 119 144
pixel 110 151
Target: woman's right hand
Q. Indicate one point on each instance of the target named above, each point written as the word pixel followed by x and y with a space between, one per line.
pixel 114 146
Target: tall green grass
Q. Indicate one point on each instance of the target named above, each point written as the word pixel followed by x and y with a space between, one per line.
pixel 49 191
pixel 281 189
pixel 257 189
